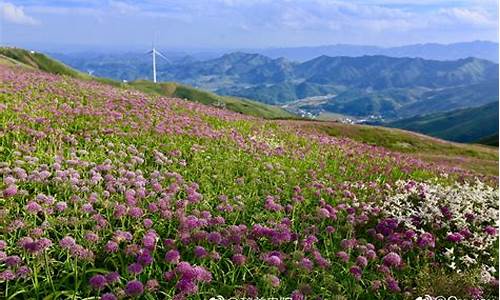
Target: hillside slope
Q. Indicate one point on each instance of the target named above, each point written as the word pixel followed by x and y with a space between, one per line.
pixel 110 192
pixel 39 61
pixel 472 158
pixel 44 63
pixel 241 105
pixel 464 125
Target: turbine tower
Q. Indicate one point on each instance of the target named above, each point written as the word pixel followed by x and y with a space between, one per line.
pixel 154 52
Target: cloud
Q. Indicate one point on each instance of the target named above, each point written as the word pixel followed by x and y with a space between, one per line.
pixel 474 17
pixel 122 7
pixel 15 14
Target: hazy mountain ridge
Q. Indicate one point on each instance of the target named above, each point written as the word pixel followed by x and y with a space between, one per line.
pixel 389 87
pixel 480 49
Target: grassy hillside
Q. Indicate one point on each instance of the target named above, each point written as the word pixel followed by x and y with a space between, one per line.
pixel 478 158
pixel 464 125
pixel 481 159
pixel 39 61
pixel 110 193
pixel 44 63
pixel 241 105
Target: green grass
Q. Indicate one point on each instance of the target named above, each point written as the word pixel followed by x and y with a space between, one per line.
pixel 479 158
pixel 40 61
pixel 241 105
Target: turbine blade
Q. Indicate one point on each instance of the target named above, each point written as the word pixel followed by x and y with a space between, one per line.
pixel 162 56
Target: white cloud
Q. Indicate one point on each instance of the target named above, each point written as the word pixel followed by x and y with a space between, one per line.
pixel 122 7
pixel 475 17
pixel 15 14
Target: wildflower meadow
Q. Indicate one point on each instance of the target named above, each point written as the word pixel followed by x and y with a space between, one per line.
pixel 109 193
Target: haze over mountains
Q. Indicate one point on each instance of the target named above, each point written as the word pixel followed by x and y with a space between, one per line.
pixel 480 49
pixel 363 83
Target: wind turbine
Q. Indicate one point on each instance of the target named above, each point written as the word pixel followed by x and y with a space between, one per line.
pixel 153 53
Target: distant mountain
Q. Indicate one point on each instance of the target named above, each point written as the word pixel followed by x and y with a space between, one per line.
pixel 479 49
pixel 479 124
pixel 373 85
pixel 376 85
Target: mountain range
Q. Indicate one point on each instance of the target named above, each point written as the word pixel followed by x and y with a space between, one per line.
pixel 363 88
pixel 480 49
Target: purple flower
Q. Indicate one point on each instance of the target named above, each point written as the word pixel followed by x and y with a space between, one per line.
pixel 186 270
pixel 375 285
pixel 98 282
pixel 169 243
pixel 108 296
pixel 356 272
pixel 323 213
pixel 67 242
pixel 152 285
pixel 306 263
pixel 23 272
pixel 61 206
pixel 135 212
pixel 10 191
pixel 7 275
pixel 455 237
pixel 371 254
pixel 343 256
pixel 33 207
pixel 214 238
pixel 111 247
pixel 12 261
pixel 273 280
pixel 145 258
pixel 348 244
pixel 169 275
pixel 172 256
pixel 134 288
pixel 87 207
pixel 147 223
pixel 134 268
pixel 362 261
pixel 202 274
pixel 393 285
pixel 297 295
pixel 273 260
pixel 112 277
pixel 426 240
pixel 392 259
pixel 200 252
pixel 330 229
pixel 186 286
pixel 91 237
pixel 490 230
pixel 475 292
pixel 239 259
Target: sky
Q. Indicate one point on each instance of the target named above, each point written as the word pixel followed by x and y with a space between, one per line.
pixel 226 24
